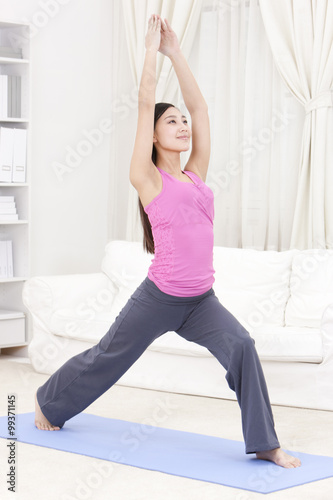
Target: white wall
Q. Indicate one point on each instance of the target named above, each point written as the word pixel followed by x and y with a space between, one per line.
pixel 71 97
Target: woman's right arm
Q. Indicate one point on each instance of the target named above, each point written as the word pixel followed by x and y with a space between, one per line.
pixel 143 173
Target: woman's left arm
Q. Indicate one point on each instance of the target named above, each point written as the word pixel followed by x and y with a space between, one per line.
pixel 194 101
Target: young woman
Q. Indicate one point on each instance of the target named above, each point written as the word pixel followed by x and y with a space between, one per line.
pixel 177 212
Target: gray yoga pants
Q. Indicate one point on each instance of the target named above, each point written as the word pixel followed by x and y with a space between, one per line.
pixel 148 314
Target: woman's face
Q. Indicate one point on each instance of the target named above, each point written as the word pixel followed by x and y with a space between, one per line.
pixel 172 131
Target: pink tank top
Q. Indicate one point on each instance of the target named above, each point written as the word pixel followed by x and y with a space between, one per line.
pixel 181 216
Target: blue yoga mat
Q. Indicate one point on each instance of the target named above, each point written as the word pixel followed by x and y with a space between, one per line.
pixel 185 454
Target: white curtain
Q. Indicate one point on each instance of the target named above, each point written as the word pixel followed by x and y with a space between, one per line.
pixel 255 128
pixel 300 33
pixel 183 17
pixel 124 99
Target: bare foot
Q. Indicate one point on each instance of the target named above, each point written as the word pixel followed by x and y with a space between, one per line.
pixel 279 457
pixel 41 422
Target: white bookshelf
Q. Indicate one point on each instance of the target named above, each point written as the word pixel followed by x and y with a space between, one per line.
pixel 14 326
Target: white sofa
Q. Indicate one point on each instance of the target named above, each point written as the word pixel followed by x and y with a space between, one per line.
pixel 284 299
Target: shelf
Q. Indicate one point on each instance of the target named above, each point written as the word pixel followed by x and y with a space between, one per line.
pixel 14 120
pixel 13 280
pixel 14 184
pixel 11 222
pixel 5 314
pixel 18 344
pixel 13 24
pixel 13 60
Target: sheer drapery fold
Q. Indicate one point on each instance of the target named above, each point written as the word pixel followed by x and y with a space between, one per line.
pixel 255 126
pixel 300 33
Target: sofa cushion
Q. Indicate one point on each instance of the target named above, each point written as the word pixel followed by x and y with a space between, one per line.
pixel 70 324
pixel 253 285
pixel 311 287
pixel 272 344
pixel 85 293
pixel 126 263
pixel 289 344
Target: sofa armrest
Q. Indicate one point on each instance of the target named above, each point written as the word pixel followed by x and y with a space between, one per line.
pixel 46 294
pixel 326 328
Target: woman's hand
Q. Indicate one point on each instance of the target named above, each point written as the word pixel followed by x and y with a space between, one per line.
pixel 153 36
pixel 169 41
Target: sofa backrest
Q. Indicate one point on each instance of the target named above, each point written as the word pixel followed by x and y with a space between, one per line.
pixel 311 287
pixel 126 264
pixel 253 285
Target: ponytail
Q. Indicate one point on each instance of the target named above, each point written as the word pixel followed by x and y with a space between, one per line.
pixel 148 240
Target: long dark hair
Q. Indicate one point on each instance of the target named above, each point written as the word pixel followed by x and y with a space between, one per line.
pixel 148 240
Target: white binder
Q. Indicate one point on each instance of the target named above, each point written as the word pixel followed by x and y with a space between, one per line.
pixel 20 155
pixel 6 153
pixel 4 96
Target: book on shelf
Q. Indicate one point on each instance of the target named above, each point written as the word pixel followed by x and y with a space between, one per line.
pixel 4 205
pixel 7 199
pixel 8 217
pixel 6 259
pixel 19 155
pixel 8 210
pixel 13 154
pixel 18 98
pixel 4 96
pixel 11 52
pixel 10 96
